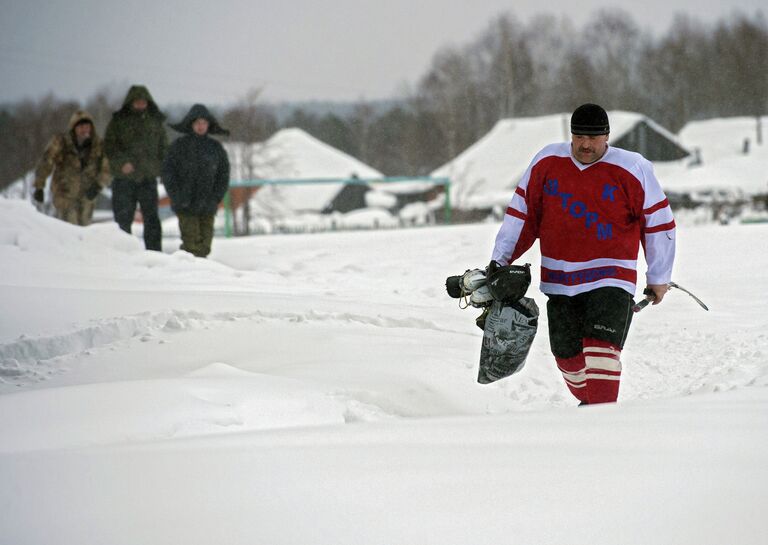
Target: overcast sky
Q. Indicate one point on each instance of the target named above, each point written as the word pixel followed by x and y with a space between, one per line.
pixel 214 51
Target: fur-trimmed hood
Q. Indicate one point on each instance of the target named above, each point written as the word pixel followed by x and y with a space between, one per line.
pixel 78 117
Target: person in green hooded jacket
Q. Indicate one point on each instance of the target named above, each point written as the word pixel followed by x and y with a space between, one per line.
pixel 196 177
pixel 136 143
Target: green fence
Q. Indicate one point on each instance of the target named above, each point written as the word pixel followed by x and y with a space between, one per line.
pixel 445 182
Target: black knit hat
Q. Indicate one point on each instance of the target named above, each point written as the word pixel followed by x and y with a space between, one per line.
pixel 589 119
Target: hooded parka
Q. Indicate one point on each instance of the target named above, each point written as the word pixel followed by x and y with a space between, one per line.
pixel 76 168
pixel 196 177
pixel 136 137
pixel 196 168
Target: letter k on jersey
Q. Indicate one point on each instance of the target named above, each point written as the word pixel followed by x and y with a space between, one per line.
pixel 608 191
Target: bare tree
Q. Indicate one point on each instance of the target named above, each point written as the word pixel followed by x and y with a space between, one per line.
pixel 550 41
pixel 506 67
pixel 361 120
pixel 742 47
pixel 28 126
pixel 615 44
pixel 101 105
pixel 672 71
pixel 249 124
pixel 579 81
pixel 450 90
pixel 248 120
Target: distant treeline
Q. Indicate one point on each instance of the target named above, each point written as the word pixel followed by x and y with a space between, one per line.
pixel 547 65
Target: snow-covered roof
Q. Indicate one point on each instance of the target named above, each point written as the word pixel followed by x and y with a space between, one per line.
pixel 486 172
pixel 724 166
pixel 293 154
pixel 723 137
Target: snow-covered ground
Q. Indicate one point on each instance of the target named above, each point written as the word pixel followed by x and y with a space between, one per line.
pixel 321 389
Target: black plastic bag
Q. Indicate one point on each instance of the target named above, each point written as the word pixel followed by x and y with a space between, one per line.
pixel 507 338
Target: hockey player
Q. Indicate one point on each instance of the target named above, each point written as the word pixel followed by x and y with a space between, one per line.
pixel 591 206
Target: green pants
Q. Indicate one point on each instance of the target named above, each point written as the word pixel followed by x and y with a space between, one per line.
pixel 196 233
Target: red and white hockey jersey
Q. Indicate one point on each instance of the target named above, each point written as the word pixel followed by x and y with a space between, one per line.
pixel 590 221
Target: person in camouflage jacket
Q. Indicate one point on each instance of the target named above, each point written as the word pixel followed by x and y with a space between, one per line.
pixel 135 143
pixel 80 170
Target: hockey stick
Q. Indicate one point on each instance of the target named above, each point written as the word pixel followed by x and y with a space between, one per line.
pixel 650 298
pixel 699 301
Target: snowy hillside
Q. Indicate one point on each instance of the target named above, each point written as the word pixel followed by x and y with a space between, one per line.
pixel 321 389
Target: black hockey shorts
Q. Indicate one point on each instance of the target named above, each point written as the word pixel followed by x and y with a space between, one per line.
pixel 603 314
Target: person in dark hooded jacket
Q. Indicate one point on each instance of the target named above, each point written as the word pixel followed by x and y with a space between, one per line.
pixel 196 177
pixel 135 143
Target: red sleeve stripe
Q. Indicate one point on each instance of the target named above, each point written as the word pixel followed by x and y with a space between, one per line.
pixel 520 191
pixel 662 227
pixel 515 213
pixel 655 207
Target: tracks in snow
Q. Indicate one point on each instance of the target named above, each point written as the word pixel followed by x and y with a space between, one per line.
pixel 34 359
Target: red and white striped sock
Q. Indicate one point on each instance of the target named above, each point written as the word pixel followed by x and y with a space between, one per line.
pixel 603 371
pixel 574 375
